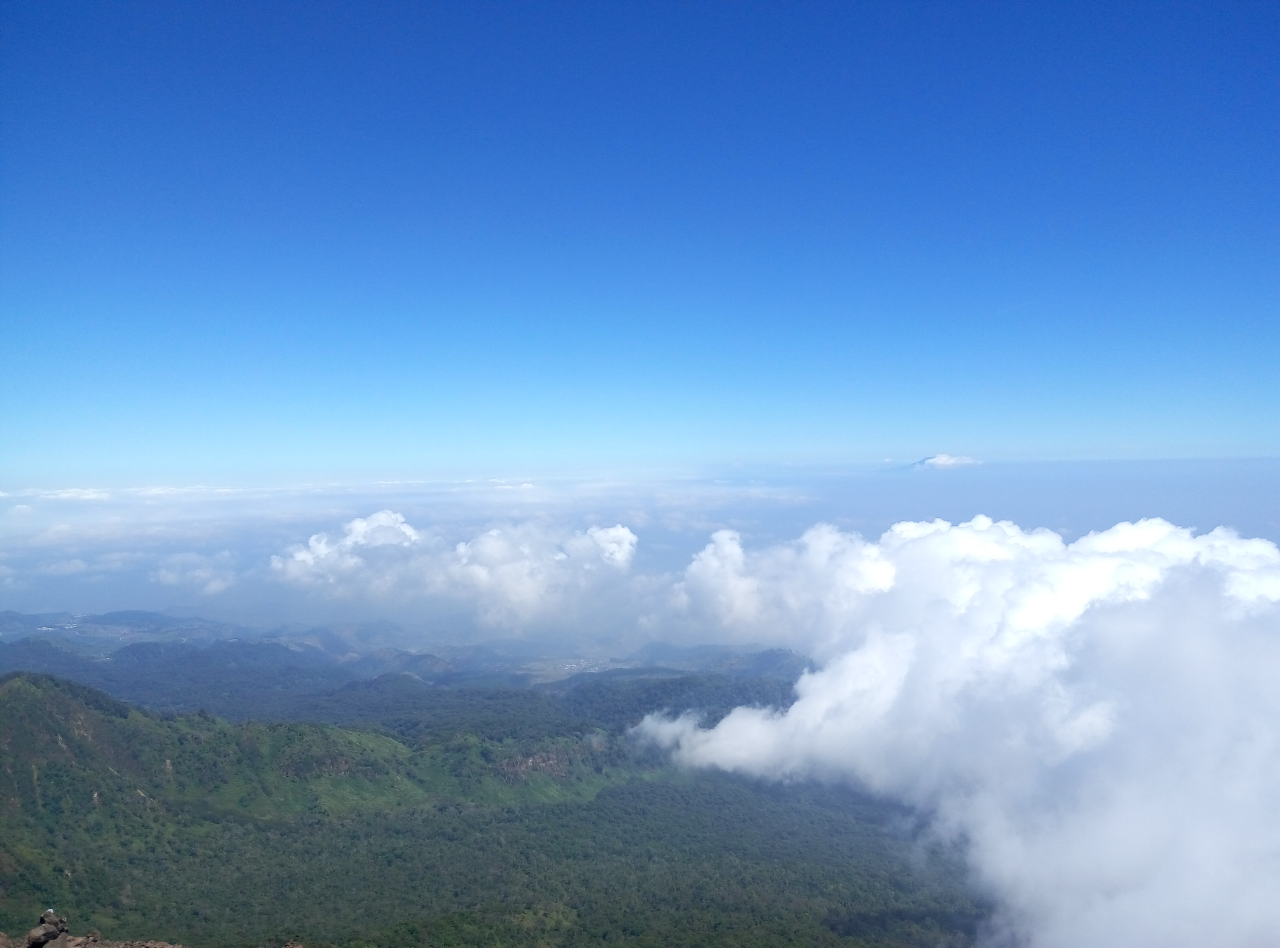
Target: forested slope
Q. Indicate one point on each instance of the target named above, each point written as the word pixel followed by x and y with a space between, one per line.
pixel 196 830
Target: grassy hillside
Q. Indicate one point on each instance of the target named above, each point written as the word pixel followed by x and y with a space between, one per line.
pixel 192 829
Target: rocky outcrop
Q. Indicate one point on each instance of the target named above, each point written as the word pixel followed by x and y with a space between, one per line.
pixel 52 933
pixel 50 927
pixel 85 941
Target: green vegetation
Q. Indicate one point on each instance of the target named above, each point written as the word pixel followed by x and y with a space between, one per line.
pixel 450 818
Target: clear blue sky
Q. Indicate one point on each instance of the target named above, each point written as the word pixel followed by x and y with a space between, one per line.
pixel 264 241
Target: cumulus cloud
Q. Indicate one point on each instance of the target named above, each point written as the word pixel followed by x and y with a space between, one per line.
pixel 511 573
pixel 328 561
pixel 1099 721
pixel 802 594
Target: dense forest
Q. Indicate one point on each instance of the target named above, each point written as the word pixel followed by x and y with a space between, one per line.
pixel 444 816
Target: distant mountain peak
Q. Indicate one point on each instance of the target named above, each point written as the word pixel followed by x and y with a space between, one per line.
pixel 944 462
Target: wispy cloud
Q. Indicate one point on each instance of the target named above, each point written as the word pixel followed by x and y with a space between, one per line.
pixel 209 575
pixel 70 493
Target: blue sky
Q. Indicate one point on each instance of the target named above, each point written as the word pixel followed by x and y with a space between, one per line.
pixel 272 242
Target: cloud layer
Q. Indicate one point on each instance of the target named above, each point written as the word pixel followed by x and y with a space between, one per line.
pixel 207 550
pixel 1099 720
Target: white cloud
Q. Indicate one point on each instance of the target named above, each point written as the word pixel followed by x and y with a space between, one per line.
pixel 1099 720
pixel 790 593
pixel 511 573
pixel 326 561
pixel 384 528
pixel 617 544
